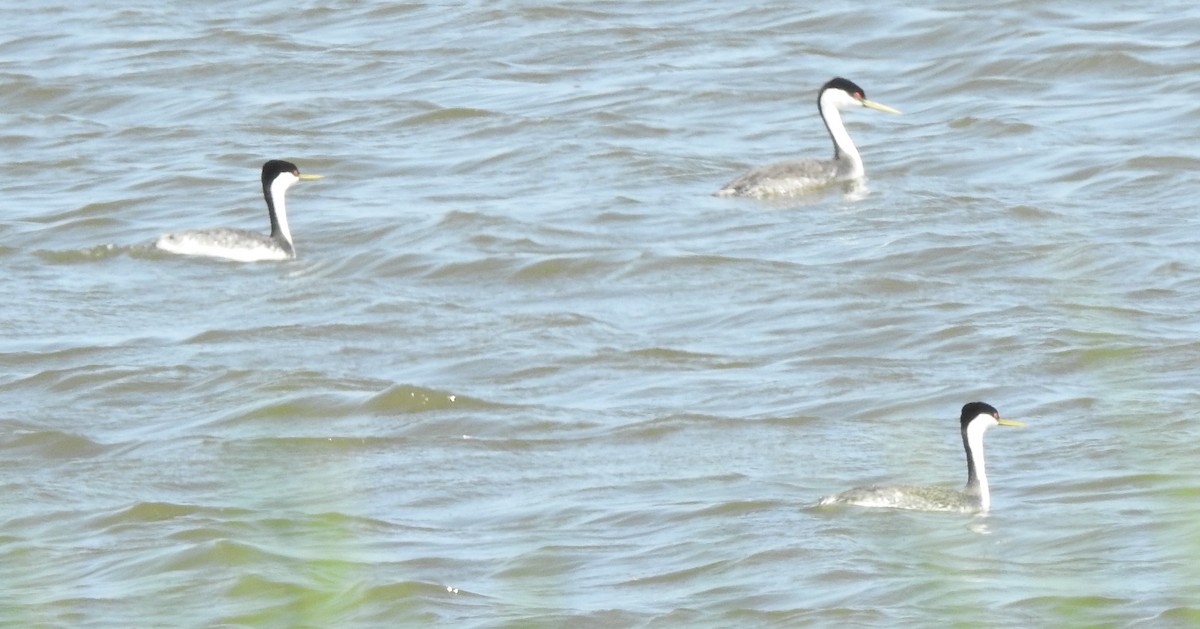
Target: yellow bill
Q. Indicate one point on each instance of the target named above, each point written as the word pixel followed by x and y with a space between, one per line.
pixel 878 106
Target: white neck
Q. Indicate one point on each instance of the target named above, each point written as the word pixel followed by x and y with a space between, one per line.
pixel 977 475
pixel 279 189
pixel 843 146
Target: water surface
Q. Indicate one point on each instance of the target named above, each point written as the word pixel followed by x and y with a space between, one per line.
pixel 527 372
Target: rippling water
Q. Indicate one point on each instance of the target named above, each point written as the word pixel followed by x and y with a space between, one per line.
pixel 527 372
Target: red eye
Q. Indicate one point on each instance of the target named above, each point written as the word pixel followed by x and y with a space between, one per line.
pixel 858 95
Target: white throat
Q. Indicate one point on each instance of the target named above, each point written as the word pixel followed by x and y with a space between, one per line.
pixel 832 102
pixel 279 189
pixel 977 475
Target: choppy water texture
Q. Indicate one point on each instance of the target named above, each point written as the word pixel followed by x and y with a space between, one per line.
pixel 527 372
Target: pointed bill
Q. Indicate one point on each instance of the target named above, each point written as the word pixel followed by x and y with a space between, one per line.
pixel 307 177
pixel 877 106
pixel 1009 422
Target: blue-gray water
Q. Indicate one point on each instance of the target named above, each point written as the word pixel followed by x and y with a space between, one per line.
pixel 527 372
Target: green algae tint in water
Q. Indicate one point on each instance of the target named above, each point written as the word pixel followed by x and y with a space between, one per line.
pixel 526 371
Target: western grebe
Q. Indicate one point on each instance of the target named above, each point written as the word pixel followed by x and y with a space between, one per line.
pixel 239 244
pixel 977 417
pixel 794 176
